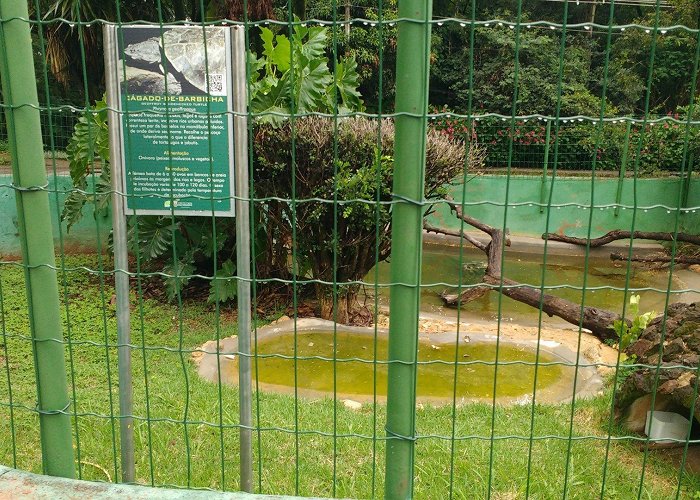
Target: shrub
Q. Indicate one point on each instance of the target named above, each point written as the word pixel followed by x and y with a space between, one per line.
pixel 662 144
pixel 308 162
pixel 577 142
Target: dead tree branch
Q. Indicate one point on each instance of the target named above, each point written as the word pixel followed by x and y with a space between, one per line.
pixel 598 321
pixel 457 209
pixel 459 234
pixel 623 235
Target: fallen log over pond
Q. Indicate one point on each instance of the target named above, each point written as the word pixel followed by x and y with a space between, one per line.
pixel 598 321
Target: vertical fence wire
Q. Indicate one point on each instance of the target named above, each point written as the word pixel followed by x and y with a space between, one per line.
pixel 686 166
pixel 555 165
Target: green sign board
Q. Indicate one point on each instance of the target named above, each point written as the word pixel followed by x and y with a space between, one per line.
pixel 175 116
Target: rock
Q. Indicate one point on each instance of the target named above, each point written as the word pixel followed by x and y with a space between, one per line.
pixel 675 386
pixel 652 360
pixel 672 348
pixel 352 405
pixel 635 417
pixel 690 359
pixel 592 352
pixel 640 348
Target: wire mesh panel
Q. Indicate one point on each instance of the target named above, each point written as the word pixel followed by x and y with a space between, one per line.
pixel 472 245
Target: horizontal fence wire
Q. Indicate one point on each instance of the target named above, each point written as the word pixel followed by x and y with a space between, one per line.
pixel 543 121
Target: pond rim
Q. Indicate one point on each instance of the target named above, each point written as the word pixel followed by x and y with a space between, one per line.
pixel 208 360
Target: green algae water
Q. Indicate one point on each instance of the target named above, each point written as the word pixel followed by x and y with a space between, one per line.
pixel 355 370
pixel 605 283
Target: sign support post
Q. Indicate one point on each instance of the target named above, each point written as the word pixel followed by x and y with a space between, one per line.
pixel 243 201
pixel 162 170
pixel 121 267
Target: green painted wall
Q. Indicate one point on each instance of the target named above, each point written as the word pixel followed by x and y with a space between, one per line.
pixel 82 236
pixel 485 196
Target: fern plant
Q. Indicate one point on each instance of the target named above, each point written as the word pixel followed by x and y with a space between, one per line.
pixel 178 247
pixel 88 156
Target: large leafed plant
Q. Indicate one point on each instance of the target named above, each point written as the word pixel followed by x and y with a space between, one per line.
pixel 293 77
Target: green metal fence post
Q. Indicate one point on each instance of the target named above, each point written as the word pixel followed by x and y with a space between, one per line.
pixel 412 69
pixel 29 177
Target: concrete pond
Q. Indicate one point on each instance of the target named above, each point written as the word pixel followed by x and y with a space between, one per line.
pixel 319 357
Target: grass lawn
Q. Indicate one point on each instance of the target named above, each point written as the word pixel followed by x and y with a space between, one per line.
pixel 186 432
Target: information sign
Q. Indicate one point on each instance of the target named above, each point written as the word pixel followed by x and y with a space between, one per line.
pixel 175 107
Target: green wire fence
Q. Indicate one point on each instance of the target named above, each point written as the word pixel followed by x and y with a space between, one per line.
pixel 435 181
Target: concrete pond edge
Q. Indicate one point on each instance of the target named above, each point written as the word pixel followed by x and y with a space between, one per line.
pixel 213 355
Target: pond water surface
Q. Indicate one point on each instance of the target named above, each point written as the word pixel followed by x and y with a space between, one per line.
pixel 564 277
pixel 355 373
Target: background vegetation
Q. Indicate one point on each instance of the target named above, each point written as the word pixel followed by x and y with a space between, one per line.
pixel 343 72
pixel 372 51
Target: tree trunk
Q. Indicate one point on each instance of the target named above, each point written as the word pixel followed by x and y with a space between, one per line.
pixel 299 9
pixel 257 9
pixel 345 305
pixel 179 10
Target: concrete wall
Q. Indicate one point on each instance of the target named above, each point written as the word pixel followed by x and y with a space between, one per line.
pixel 571 199
pixel 82 236
pixel 485 195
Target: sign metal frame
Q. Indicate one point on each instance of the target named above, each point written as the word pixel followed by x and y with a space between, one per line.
pixel 240 203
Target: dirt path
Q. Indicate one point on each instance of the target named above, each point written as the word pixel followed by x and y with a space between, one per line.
pixel 62 167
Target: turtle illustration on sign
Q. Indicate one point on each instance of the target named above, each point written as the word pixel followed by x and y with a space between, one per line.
pixel 193 67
